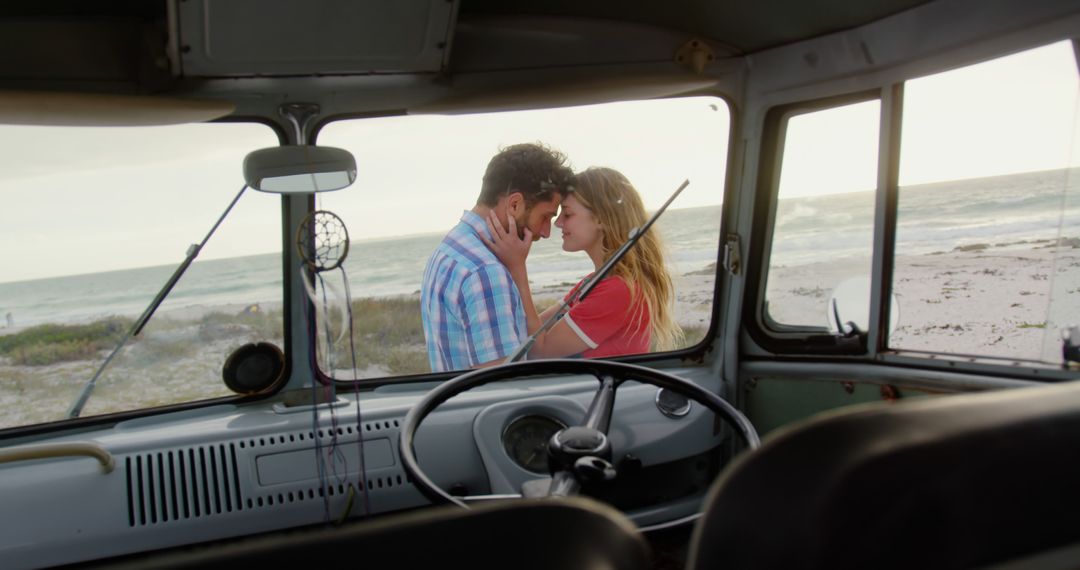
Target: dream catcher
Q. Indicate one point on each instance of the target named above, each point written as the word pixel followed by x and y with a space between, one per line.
pixel 322 242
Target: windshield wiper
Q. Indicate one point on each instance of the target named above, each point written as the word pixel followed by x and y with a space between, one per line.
pixel 192 253
pixel 581 292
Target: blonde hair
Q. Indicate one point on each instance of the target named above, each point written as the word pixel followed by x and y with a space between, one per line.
pixel 617 206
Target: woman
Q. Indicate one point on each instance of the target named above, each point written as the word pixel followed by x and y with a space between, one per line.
pixel 630 310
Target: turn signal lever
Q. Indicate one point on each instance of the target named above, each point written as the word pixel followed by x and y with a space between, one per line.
pixel 578 455
pixel 593 469
pixel 572 444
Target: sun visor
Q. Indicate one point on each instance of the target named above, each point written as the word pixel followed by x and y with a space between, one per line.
pixel 333 37
pixel 47 108
pixel 474 98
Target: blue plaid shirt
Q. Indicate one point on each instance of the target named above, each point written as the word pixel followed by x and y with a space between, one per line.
pixel 471 308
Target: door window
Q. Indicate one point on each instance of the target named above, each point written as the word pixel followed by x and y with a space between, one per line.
pixel 823 231
pixel 987 259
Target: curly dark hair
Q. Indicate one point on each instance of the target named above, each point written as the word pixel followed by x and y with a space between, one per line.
pixel 538 172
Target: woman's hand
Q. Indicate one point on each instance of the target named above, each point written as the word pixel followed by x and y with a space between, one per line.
pixel 505 243
pixel 512 250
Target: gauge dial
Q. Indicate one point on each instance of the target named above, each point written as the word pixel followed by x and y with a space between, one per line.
pixel 672 404
pixel 525 441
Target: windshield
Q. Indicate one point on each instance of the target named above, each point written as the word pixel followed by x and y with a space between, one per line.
pixel 419 177
pixel 95 221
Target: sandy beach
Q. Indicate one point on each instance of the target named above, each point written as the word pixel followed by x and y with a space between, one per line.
pixel 991 300
pixel 984 299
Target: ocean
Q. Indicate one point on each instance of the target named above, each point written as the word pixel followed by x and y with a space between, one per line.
pixel 933 217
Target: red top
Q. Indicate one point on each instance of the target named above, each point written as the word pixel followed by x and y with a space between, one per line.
pixel 608 321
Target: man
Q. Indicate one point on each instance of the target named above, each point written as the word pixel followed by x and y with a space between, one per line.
pixel 471 309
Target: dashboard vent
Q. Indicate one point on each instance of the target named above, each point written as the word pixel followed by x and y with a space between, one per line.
pixel 337 485
pixel 182 484
pixel 349 431
pixel 311 493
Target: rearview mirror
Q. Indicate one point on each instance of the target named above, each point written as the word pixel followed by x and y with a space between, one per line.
pixel 299 169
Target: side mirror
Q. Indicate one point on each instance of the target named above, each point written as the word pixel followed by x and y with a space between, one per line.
pixel 849 307
pixel 299 169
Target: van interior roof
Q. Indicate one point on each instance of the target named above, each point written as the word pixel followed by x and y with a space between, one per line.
pixel 745 27
pixel 58 40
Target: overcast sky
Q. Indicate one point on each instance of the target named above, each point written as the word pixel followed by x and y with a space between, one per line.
pixel 1013 114
pixel 430 168
pixel 70 207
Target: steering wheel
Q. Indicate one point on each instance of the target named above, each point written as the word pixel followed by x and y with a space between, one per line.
pixel 577 453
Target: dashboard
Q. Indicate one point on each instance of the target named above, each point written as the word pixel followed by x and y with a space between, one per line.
pixel 233 470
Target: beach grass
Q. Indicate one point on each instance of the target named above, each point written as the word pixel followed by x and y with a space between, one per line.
pixel 178 359
pixel 47 344
pixel 264 324
pixel 387 335
pixel 52 343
